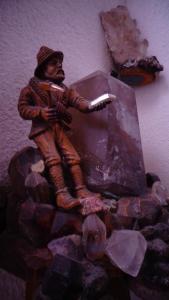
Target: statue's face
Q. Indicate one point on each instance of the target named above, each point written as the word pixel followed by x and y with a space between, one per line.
pixel 53 70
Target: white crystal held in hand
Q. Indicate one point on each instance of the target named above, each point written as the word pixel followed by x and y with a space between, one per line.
pixel 103 98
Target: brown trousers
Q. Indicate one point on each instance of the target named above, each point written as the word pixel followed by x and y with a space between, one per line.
pixel 54 145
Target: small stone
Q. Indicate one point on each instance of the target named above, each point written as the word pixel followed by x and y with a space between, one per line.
pixel 5 192
pixel 12 213
pixel 159 230
pixel 111 205
pixel 162 268
pixel 66 223
pixel 39 259
pixel 164 217
pixel 13 253
pixel 63 277
pixel 35 221
pixel 20 167
pixel 38 167
pixel 151 178
pixel 69 246
pixel 145 209
pixel 160 193
pixel 144 291
pixel 95 282
pixel 126 250
pixel 92 205
pixel 94 237
pixel 111 222
pixel 44 216
pixel 37 187
pixel 158 249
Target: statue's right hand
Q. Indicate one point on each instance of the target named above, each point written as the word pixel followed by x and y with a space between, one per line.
pixel 48 114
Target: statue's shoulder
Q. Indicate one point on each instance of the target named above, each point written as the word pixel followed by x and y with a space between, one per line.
pixel 26 90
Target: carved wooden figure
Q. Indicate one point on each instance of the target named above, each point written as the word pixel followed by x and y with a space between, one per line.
pixel 45 101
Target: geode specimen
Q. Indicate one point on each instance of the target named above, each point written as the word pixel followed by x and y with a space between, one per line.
pixel 127 48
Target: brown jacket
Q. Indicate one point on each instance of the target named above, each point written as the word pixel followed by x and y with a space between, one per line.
pixel 30 105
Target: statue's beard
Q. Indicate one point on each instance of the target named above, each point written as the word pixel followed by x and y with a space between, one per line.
pixel 56 77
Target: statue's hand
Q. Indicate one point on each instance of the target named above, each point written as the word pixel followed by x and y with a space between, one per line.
pixel 49 114
pixel 99 106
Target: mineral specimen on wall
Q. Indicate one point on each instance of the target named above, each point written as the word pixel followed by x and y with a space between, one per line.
pixel 127 48
pixel 122 35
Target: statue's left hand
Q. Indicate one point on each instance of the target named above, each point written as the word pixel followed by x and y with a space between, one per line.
pixel 99 106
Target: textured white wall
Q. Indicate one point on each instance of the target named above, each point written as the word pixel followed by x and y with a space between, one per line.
pixel 72 26
pixel 153 100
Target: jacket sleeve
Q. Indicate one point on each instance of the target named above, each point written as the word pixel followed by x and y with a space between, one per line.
pixel 26 109
pixel 77 101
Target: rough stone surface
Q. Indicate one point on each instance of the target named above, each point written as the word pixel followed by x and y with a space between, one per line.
pixel 35 221
pixel 158 249
pixel 122 35
pixel 37 187
pixel 160 193
pixel 11 287
pixel 92 205
pixel 148 293
pixel 38 167
pixel 109 140
pixel 160 230
pixel 146 210
pixel 12 213
pixel 69 246
pixel 63 277
pixel 20 167
pixel 95 282
pixel 66 223
pixel 164 217
pixel 14 248
pixel 151 178
pixel 5 191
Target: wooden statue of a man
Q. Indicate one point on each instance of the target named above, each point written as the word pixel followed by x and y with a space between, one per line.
pixel 48 111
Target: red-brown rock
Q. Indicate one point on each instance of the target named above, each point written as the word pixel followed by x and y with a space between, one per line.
pixel 66 223
pixel 145 209
pixel 35 221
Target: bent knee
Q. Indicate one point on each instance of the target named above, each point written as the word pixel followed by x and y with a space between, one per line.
pixel 52 161
pixel 74 161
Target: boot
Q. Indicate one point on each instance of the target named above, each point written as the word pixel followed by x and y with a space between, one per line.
pixel 80 187
pixel 63 198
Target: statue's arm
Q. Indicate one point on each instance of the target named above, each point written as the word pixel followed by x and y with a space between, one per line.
pixel 76 101
pixel 26 109
pixel 82 104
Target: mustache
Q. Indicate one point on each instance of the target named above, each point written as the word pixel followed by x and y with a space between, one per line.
pixel 60 71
